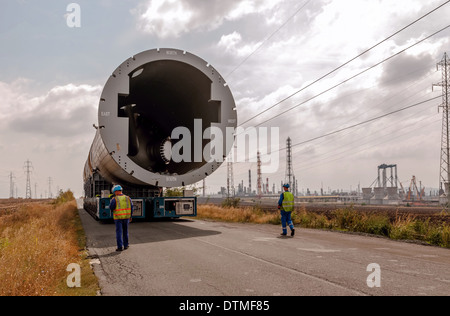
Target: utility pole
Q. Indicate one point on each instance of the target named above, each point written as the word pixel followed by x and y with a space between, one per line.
pixel 50 180
pixel 445 144
pixel 28 166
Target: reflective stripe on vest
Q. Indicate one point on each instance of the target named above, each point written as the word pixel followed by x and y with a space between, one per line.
pixel 288 202
pixel 123 207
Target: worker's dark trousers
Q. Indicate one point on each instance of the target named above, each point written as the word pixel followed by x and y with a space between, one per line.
pixel 286 220
pixel 122 232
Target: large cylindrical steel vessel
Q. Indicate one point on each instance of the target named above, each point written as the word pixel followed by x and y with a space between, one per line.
pixel 148 97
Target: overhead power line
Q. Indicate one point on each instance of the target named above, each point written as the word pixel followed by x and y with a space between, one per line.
pixel 354 76
pixel 364 122
pixel 356 125
pixel 334 156
pixel 348 62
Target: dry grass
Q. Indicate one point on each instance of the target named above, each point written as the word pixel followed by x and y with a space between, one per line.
pixel 37 243
pixel 237 215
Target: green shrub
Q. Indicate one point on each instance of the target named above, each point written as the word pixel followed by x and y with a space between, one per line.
pixel 347 219
pixel 231 202
pixel 446 236
pixel 64 197
pixel 378 225
pixel 434 237
pixel 403 232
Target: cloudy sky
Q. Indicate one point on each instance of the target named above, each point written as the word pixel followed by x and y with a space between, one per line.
pixel 51 77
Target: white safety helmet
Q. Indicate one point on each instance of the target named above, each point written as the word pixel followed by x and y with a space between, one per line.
pixel 117 188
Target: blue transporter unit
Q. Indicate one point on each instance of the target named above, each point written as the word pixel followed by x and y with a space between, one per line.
pixel 146 208
pixel 173 207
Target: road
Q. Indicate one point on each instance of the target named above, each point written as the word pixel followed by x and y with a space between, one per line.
pixel 202 258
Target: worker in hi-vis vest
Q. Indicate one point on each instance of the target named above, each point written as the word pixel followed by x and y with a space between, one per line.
pixel 122 208
pixel 286 206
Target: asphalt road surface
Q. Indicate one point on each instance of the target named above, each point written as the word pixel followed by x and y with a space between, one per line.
pixel 202 258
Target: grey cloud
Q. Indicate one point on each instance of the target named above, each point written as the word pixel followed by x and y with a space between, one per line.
pixel 173 18
pixel 63 112
pixel 406 68
pixel 420 29
pixel 54 124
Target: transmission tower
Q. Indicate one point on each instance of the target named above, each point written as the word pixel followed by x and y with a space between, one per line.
pixel 289 178
pixel 445 145
pixel 28 166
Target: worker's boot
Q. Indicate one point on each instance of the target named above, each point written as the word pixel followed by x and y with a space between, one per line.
pixel 293 233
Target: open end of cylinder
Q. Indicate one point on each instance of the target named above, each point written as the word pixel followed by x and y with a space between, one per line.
pixel 165 95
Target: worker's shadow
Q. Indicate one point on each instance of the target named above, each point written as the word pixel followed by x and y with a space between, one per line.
pixel 102 235
pixel 166 230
